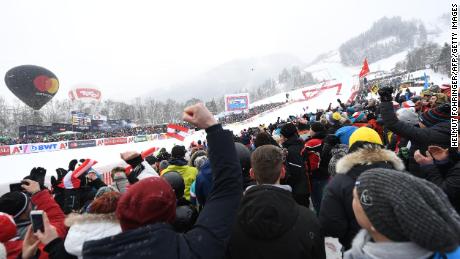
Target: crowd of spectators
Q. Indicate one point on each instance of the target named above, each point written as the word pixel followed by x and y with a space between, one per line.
pixel 378 175
pixel 242 116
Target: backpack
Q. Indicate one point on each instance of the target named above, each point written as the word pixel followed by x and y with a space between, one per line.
pixel 311 154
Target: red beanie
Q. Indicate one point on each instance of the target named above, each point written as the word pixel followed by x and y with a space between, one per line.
pixel 148 201
pixel 8 229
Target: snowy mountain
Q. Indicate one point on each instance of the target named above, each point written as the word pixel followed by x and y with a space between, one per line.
pixel 230 77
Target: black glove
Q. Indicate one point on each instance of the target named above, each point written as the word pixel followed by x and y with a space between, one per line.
pixel 331 140
pixel 54 182
pixel 61 172
pixel 385 94
pixel 38 174
pixel 72 164
pixel 339 101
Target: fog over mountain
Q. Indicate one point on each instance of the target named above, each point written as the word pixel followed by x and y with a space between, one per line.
pixel 230 77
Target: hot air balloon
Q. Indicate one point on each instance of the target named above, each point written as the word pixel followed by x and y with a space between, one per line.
pixel 33 85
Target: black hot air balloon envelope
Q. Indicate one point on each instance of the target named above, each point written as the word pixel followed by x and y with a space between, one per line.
pixel 33 85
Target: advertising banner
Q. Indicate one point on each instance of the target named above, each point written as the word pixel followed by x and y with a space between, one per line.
pixel 100 142
pixel 115 141
pixel 82 143
pixel 140 138
pixel 19 149
pixel 4 150
pixel 44 147
pixel 237 102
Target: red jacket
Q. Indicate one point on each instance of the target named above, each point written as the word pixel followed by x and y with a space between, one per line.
pixel 43 200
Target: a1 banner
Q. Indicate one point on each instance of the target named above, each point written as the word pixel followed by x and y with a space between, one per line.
pixel 115 141
pixel 5 150
pixel 19 149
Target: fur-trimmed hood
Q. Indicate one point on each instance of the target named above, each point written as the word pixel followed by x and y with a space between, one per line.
pixel 366 156
pixel 73 219
pixel 89 227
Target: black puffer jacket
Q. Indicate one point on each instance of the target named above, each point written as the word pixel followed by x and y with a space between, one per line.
pixel 446 175
pixel 336 214
pixel 296 175
pixel 271 225
pixel 420 138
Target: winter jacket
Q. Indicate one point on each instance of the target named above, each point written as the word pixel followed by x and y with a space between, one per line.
pixel 364 248
pixel 211 232
pixel 337 152
pixel 336 214
pixel 446 175
pixel 296 175
pixel 271 224
pixel 120 183
pixel 420 138
pixel 315 161
pixel 2 251
pixel 189 173
pixel 56 250
pixel 88 227
pixel 42 201
pixel 203 185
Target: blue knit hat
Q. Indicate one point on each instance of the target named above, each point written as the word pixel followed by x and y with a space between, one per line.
pixel 344 134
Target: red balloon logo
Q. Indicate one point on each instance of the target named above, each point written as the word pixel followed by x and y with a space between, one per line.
pixel 42 83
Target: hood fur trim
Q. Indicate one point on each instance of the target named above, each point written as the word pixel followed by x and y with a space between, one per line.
pixel 366 156
pixel 73 219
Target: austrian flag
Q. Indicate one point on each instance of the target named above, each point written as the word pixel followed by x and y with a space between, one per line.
pixel 177 131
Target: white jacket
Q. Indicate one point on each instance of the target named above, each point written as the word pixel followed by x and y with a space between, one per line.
pixel 2 251
pixel 88 227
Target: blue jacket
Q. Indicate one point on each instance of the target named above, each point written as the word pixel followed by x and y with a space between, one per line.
pixel 203 185
pixel 210 234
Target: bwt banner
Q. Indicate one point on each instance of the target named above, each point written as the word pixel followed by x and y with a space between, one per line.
pixel 237 102
pixel 4 150
pixel 82 143
pixel 37 148
pixel 115 141
pixel 46 147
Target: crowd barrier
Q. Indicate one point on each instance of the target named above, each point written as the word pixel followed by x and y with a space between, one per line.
pixel 7 150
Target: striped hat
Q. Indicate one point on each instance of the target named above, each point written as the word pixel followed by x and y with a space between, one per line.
pixel 437 115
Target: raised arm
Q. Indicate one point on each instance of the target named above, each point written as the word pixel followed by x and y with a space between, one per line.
pixel 211 232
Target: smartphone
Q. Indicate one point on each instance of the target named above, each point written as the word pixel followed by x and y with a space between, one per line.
pixel 16 187
pixel 36 217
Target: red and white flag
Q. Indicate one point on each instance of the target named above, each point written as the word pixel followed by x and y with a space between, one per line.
pixel 177 131
pixel 71 180
pixel 107 178
pixel 365 70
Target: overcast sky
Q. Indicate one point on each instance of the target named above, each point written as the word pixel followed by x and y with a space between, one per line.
pixel 127 48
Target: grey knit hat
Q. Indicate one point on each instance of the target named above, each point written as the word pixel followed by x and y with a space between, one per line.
pixel 104 189
pixel 163 165
pixel 407 115
pixel 406 208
